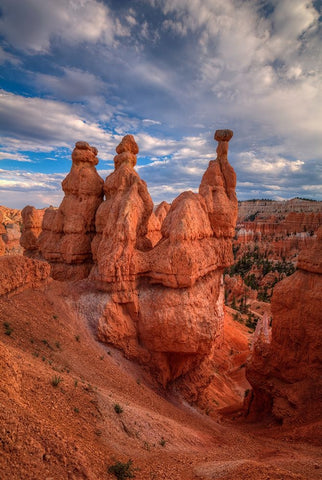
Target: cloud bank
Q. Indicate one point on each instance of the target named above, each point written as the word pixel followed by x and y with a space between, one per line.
pixel 170 72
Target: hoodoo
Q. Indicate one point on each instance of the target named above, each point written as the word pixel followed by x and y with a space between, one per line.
pixel 67 232
pixel 156 276
pixel 166 301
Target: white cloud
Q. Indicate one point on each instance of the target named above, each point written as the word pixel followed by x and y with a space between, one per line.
pixel 31 25
pixel 8 57
pixel 41 124
pixel 19 188
pixel 74 84
pixel 14 156
pixel 251 162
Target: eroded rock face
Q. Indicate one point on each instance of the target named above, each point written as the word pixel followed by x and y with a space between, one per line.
pixel 121 226
pixel 28 273
pixel 286 372
pixel 164 269
pixel 32 227
pixel 218 189
pixel 67 232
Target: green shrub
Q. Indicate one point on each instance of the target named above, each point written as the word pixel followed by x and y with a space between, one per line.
pixel 8 329
pixel 122 470
pixel 118 409
pixel 55 381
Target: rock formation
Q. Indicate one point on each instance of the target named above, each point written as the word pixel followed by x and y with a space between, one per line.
pixel 166 303
pixel 2 232
pixel 67 232
pixel 160 273
pixel 32 227
pixel 285 372
pixel 10 226
pixel 28 273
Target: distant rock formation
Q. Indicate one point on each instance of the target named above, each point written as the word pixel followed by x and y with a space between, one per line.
pixel 285 373
pixel 67 232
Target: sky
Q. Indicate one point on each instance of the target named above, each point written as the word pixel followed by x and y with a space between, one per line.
pixel 170 72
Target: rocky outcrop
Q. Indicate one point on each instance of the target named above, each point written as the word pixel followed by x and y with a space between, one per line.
pixel 28 273
pixel 159 272
pixel 32 227
pixel 285 372
pixel 166 289
pixel 10 231
pixel 67 232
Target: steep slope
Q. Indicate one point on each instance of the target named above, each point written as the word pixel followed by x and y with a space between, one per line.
pixel 58 420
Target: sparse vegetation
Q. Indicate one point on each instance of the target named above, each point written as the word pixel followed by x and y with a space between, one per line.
pixel 77 338
pixel 56 380
pixel 8 328
pixel 117 408
pixel 122 470
pixel 162 442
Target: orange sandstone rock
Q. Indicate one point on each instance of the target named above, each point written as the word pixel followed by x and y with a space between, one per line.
pixel 28 273
pixel 32 227
pixel 68 231
pixel 165 279
pixel 286 372
pixel 218 188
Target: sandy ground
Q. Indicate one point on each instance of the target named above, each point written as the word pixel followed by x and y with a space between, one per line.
pixel 72 431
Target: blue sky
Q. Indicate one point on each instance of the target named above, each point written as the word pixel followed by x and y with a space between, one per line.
pixel 170 72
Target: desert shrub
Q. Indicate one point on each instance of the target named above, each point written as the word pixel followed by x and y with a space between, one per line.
pixel 118 409
pixel 8 329
pixel 122 470
pixel 55 381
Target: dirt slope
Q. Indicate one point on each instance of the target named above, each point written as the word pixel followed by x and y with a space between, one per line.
pixel 72 431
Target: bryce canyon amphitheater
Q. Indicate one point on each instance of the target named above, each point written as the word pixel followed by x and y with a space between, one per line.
pixel 118 353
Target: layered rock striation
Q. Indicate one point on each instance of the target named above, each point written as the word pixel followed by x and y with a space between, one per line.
pixel 285 372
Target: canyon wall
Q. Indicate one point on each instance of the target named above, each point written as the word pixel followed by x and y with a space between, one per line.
pixel 285 372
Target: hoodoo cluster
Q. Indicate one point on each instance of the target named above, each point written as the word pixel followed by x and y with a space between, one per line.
pixel 159 271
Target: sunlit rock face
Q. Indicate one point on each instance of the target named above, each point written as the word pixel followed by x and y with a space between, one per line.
pixel 158 274
pixel 67 232
pixel 163 269
pixel 32 219
pixel 285 372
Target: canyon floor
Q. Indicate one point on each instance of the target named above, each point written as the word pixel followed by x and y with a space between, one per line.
pixel 70 407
